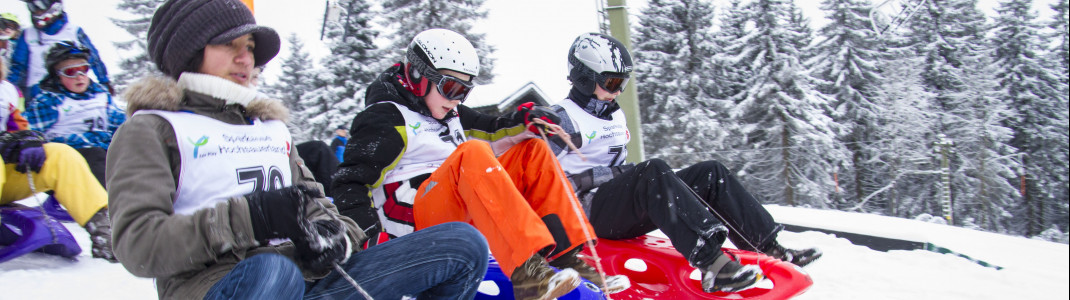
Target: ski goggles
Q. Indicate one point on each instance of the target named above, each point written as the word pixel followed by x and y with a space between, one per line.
pixel 75 71
pixel 612 82
pixel 452 88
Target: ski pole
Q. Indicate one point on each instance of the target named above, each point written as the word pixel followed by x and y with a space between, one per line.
pixel 579 212
pixel 352 282
pixel 338 268
pixel 40 204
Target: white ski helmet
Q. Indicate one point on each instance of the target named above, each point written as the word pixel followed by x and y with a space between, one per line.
pixel 596 58
pixel 438 49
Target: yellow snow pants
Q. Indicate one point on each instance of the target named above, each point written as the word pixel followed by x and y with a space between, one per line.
pixel 66 173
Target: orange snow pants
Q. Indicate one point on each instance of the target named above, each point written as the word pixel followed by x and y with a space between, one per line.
pixel 515 200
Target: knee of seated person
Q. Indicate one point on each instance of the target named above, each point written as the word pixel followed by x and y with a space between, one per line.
pixel 712 166
pixel 474 145
pixel 468 235
pixel 286 270
pixel 59 151
pixel 536 144
pixel 654 164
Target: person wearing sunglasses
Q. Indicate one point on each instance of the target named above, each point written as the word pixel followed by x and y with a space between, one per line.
pixel 614 192
pixel 50 26
pixel 72 109
pixel 417 156
pixel 56 169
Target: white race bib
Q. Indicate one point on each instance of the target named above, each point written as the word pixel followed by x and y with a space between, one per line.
pixel 221 160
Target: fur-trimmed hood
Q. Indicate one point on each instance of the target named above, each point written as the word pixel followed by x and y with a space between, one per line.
pixel 194 92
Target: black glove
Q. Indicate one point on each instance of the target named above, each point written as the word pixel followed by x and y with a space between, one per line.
pixel 99 228
pixel 617 170
pixel 582 181
pixel 529 112
pixel 279 213
pixel 12 143
pixel 326 245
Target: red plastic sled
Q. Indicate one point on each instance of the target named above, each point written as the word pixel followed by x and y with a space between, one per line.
pixel 667 275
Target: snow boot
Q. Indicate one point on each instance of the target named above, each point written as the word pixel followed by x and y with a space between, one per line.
pixel 798 257
pixel 571 260
pixel 99 228
pixel 535 280
pixel 727 275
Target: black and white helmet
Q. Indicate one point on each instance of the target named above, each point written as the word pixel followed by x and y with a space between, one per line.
pixel 44 12
pixel 598 59
pixel 438 49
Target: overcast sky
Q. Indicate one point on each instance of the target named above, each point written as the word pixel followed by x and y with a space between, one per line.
pixel 531 37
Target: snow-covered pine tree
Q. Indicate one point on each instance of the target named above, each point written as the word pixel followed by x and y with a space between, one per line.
pixel 949 35
pixel 731 75
pixel 1060 54
pixel 135 63
pixel 981 180
pixel 1060 24
pixel 406 18
pixel 845 63
pixel 781 118
pixel 1033 92
pixel 673 73
pixel 353 63
pixel 905 113
pixel 295 81
pixel 797 22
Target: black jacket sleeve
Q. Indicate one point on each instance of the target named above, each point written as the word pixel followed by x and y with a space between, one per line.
pixel 373 148
pixel 489 127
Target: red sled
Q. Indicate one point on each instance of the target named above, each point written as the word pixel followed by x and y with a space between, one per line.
pixel 657 271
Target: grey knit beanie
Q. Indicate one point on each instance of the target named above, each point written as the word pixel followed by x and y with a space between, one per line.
pixel 181 28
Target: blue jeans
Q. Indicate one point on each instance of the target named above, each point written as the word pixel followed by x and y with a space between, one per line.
pixel 445 261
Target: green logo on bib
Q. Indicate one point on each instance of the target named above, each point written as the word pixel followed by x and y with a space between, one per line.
pixel 197 145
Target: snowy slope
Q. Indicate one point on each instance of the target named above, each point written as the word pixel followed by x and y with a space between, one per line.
pixel 1031 269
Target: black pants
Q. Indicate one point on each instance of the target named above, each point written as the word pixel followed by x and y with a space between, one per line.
pixel 651 196
pixel 96 157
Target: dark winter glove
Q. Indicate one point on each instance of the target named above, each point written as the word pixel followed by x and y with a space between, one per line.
pixel 621 169
pixel 280 214
pixel 99 228
pixel 31 157
pixel 582 181
pixel 12 143
pixel 326 245
pixel 529 112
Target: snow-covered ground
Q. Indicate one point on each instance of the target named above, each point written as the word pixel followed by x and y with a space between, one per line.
pixel 1031 269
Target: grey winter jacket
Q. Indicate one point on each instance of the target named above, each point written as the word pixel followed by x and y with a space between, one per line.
pixel 186 255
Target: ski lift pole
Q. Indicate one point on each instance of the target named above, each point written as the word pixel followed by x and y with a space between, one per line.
pixel 616 12
pixel 943 148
